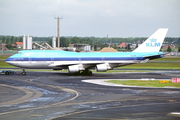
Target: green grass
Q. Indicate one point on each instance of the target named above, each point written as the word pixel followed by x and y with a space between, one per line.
pixel 3 64
pixel 152 66
pixel 168 59
pixel 150 83
pixel 4 57
pixel 121 71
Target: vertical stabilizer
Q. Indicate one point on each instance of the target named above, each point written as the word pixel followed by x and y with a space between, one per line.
pixel 154 42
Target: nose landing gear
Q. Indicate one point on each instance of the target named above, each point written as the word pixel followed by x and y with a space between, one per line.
pixel 24 72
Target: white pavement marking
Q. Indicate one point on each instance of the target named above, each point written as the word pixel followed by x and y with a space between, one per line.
pixel 103 82
pixel 177 114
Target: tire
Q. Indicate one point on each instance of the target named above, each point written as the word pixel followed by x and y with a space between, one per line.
pixel 90 73
pixel 24 73
pixel 86 72
pixel 7 73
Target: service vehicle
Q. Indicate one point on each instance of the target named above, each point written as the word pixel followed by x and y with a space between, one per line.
pixel 6 72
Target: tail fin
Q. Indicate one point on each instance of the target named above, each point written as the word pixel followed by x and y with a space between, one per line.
pixel 154 42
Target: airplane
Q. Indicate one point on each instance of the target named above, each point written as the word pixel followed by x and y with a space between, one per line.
pixel 82 62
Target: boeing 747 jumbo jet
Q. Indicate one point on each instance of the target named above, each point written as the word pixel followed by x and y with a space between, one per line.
pixel 81 62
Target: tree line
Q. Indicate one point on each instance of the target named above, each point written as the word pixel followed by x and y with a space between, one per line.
pixel 92 41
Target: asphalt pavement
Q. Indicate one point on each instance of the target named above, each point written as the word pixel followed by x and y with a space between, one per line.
pixel 57 96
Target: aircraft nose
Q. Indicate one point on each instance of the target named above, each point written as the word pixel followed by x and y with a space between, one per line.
pixel 8 59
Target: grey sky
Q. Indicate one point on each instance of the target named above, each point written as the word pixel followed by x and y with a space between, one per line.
pixel 117 18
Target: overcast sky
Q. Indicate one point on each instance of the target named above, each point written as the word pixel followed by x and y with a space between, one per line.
pixel 117 18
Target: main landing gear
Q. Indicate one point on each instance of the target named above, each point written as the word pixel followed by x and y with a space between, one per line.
pixel 86 72
pixel 24 72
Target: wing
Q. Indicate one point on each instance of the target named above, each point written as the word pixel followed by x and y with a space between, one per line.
pixel 65 65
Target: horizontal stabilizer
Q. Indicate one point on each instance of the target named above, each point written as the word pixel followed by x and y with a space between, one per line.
pixel 150 57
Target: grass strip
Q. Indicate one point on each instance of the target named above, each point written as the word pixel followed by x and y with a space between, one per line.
pixel 122 71
pixel 3 57
pixel 152 66
pixel 3 64
pixel 146 83
pixel 167 59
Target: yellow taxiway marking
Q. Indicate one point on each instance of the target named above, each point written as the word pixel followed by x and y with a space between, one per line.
pixel 71 91
pixel 36 115
pixel 94 118
pixel 172 100
pixel 30 94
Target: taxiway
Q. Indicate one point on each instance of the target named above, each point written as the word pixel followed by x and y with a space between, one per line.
pixel 55 96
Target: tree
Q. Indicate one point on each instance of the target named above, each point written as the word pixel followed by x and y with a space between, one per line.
pixel 128 47
pixel 3 40
pixel 8 41
pixel 169 49
pixel 75 40
pixel 115 46
pixel 16 39
pixel 179 49
pixel 9 46
pixel 136 46
pixel 21 39
pixel 50 42
pixel 12 40
pixel 64 42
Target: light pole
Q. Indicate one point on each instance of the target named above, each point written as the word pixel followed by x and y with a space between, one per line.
pixel 58 28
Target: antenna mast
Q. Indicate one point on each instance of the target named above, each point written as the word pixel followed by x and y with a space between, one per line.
pixel 58 28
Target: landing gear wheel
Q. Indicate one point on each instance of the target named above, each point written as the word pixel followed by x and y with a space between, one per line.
pixel 90 73
pixel 76 73
pixel 86 72
pixel 7 73
pixel 23 73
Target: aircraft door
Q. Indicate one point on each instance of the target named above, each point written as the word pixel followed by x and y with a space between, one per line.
pixel 102 59
pixel 52 60
pixel 135 58
pixel 79 59
pixel 30 60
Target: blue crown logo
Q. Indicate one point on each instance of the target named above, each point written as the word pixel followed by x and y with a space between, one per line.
pixel 153 40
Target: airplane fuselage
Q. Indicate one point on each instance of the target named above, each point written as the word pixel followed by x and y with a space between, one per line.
pixel 54 59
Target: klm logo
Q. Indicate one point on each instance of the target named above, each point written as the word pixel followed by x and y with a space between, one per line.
pixel 153 43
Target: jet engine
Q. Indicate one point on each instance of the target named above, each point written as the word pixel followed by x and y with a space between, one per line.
pixel 75 68
pixel 101 68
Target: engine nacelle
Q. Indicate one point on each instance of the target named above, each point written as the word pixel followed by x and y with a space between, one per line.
pixel 101 68
pixel 75 68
